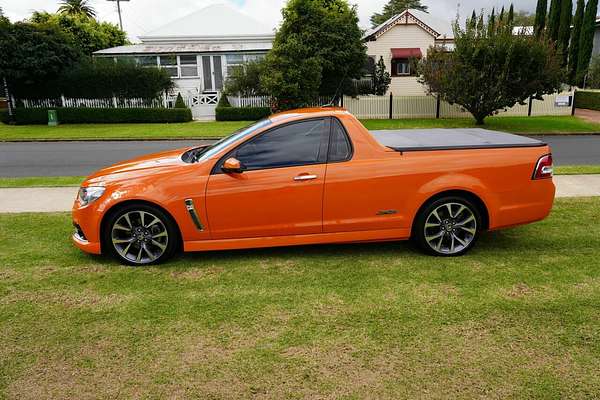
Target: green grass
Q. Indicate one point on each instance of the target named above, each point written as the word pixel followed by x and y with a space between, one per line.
pixel 516 318
pixel 41 181
pixel 576 169
pixel 120 131
pixel 530 125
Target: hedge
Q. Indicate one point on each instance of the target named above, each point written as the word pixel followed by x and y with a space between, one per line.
pixel 589 100
pixel 39 116
pixel 241 113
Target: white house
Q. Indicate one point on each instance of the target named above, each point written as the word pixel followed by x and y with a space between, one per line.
pixel 199 50
pixel 401 39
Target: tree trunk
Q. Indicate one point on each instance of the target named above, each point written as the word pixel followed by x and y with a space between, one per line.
pixel 479 119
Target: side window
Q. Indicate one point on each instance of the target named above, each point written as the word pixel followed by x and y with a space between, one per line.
pixel 295 144
pixel 339 145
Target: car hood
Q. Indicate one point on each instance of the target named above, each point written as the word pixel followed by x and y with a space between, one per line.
pixel 139 167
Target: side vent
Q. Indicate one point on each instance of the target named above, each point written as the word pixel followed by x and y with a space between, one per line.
pixel 189 205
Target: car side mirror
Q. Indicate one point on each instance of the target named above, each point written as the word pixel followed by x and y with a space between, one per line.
pixel 232 165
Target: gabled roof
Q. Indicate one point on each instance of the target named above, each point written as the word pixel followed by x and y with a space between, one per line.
pixel 215 21
pixel 436 27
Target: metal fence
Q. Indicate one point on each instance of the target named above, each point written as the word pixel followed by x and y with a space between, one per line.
pixel 113 102
pixel 405 107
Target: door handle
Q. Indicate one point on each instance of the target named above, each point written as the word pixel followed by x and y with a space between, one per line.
pixel 305 177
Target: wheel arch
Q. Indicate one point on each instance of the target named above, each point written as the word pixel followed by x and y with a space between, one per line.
pixel 468 195
pixel 118 206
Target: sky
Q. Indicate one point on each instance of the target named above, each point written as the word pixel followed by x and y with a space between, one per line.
pixel 140 16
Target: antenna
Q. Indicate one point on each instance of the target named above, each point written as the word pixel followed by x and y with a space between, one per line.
pixel 330 104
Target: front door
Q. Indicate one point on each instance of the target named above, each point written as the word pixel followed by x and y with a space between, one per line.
pixel 212 73
pixel 280 192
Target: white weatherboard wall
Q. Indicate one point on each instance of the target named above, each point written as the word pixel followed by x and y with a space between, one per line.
pixel 401 36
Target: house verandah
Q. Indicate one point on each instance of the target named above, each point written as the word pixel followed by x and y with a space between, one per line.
pixel 199 51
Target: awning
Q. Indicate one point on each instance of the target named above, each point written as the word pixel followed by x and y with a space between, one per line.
pixel 407 53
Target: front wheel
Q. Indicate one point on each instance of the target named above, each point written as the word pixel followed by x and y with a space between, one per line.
pixel 448 226
pixel 140 234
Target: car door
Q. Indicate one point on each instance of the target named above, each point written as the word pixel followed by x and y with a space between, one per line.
pixel 361 192
pixel 280 190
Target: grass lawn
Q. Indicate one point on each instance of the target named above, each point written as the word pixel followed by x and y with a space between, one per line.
pixel 516 318
pixel 547 125
pixel 576 169
pixel 41 181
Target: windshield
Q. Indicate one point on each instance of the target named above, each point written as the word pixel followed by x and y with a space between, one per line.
pixel 204 153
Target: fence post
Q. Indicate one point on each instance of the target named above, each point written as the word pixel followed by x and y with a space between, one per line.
pixel 114 100
pixel 391 105
pixel 530 104
pixel 438 103
pixel 165 99
pixel 62 100
pixel 573 102
pixel 342 101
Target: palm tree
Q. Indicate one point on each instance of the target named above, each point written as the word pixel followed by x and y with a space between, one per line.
pixel 77 7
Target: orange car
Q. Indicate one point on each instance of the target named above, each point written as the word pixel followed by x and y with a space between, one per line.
pixel 315 176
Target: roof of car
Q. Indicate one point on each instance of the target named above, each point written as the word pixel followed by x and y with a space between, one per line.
pixel 313 111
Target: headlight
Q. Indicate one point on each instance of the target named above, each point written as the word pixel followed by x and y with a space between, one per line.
pixel 89 194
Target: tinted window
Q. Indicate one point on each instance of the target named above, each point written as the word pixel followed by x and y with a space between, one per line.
pixel 339 146
pixel 294 144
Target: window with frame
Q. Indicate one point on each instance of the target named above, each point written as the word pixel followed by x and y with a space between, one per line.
pixel 169 62
pixel 401 67
pixel 234 61
pixel 147 61
pixel 295 144
pixel 188 66
pixel 339 143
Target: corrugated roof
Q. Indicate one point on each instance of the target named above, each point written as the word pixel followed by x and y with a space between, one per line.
pixel 167 48
pixel 441 27
pixel 218 20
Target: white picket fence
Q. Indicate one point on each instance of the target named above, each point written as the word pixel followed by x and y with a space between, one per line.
pixel 405 107
pixel 265 101
pixel 114 102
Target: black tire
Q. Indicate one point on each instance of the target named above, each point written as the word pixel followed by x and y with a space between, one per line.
pixel 456 238
pixel 152 238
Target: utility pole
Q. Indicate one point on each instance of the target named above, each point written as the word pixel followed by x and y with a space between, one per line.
pixel 119 11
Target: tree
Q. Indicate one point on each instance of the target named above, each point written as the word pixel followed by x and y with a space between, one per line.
pixel 381 78
pixel 539 23
pixel 554 19
pixel 88 34
pixel 490 70
pixel 511 15
pixel 593 80
pixel 318 50
pixel 574 47
pixel 395 7
pixel 77 7
pixel 245 79
pixel 564 29
pixel 179 103
pixel 586 40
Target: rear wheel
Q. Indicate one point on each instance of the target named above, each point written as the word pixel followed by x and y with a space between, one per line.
pixel 140 234
pixel 448 226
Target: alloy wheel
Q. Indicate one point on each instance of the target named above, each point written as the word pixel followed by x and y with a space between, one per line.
pixel 450 228
pixel 140 237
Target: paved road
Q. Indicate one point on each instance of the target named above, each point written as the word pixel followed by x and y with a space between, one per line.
pixel 82 158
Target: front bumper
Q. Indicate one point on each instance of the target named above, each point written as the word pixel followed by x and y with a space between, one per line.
pixel 86 222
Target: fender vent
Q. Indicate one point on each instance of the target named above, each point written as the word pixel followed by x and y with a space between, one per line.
pixel 189 205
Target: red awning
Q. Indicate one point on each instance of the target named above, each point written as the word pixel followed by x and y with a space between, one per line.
pixel 407 53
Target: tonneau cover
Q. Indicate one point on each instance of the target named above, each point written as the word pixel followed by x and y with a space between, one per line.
pixel 450 139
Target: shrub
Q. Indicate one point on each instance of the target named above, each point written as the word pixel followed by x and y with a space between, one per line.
pixel 241 113
pixel 179 103
pixel 39 116
pixel 589 100
pixel 223 102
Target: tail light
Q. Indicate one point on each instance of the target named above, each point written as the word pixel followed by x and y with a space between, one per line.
pixel 543 168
